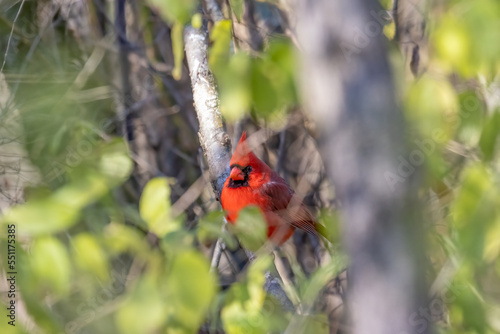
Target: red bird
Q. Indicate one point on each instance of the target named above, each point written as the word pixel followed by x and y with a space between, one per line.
pixel 252 182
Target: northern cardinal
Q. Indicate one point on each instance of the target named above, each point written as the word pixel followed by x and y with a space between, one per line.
pixel 252 182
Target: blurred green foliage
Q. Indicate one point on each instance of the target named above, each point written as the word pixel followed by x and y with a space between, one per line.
pixel 264 85
pixel 248 309
pixel 451 105
pixel 251 228
pixel 466 37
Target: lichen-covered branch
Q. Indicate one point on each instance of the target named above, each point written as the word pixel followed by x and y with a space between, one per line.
pixel 214 140
pixel 348 88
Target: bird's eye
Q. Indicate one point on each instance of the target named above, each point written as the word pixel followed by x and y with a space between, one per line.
pixel 247 169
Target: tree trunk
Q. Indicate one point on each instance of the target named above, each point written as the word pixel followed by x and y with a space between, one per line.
pixel 347 85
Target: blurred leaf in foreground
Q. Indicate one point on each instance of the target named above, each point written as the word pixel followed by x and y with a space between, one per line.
pixel 143 311
pixel 174 10
pixel 432 106
pixel 473 210
pixel 250 228
pixel 489 137
pixel 154 207
pixel 51 265
pixel 220 51
pixel 246 309
pixel 190 289
pixel 211 227
pixel 89 256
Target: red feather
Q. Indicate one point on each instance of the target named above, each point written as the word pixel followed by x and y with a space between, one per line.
pixel 252 182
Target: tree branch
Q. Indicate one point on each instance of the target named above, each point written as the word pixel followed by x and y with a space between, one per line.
pixel 214 140
pixel 126 89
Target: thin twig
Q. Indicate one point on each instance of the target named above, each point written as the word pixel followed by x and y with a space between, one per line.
pixel 281 151
pixel 10 36
pixel 216 255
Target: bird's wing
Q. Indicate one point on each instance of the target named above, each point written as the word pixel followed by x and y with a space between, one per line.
pixel 283 201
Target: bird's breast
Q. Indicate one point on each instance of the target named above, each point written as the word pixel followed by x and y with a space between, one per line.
pixel 235 199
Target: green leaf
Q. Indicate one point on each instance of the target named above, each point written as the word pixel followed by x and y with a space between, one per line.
pixel 250 228
pixel 82 192
pixel 89 256
pixel 312 287
pixel 489 137
pixel 197 21
pixel 476 183
pixel 266 83
pixel 329 226
pixel 210 228
pixel 220 51
pixel 471 116
pixel 452 41
pixel 466 37
pixel 386 4
pixel 432 105
pixel 235 89
pixel 264 95
pixel 177 48
pixel 281 57
pixel 190 289
pixel 50 263
pixel 6 328
pixel 237 7
pixel 61 210
pixel 256 279
pixel 243 311
pixel 115 163
pixel 42 216
pixel 473 211
pixel 154 207
pixel 121 238
pixel 174 10
pixel 469 309
pixel 492 241
pixel 144 311
pixel 318 323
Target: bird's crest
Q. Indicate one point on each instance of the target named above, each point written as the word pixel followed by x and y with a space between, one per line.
pixel 242 155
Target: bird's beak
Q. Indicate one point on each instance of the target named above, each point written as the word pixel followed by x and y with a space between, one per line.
pixel 237 174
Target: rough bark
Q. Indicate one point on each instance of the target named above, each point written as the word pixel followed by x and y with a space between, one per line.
pixel 348 88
